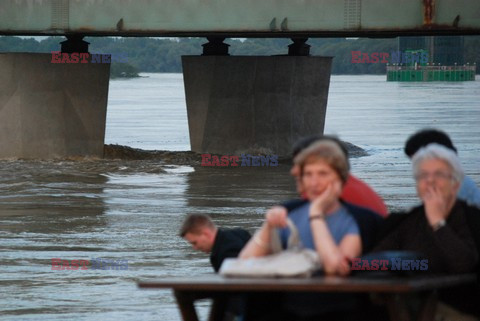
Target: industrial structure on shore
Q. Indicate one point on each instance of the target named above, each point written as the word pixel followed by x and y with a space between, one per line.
pixel 438 58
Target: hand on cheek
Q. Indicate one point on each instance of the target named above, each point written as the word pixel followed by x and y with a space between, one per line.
pixel 327 199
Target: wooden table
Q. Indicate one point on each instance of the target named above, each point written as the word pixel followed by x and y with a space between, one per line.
pixel 393 290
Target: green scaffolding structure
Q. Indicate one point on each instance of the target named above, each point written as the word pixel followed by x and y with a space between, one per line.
pixel 431 73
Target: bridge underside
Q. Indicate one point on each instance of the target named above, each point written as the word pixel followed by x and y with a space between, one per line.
pixel 234 104
pixel 246 18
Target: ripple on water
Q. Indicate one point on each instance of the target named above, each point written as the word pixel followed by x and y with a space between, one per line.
pixel 131 208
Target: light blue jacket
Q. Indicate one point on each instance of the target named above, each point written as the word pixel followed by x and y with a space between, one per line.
pixel 469 192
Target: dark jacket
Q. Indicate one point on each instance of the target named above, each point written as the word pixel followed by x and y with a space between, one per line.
pixel 454 248
pixel 451 249
pixel 228 243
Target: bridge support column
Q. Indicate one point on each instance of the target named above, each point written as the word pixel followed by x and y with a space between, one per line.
pixel 51 110
pixel 239 104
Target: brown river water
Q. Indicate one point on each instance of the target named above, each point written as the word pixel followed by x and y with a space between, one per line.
pixel 130 207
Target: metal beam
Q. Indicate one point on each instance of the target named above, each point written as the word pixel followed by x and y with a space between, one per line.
pixel 240 18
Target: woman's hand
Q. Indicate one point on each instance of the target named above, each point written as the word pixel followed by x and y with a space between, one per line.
pixel 276 217
pixel 344 268
pixel 436 206
pixel 259 244
pixel 327 199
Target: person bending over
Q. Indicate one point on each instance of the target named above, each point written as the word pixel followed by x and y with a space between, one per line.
pixel 203 235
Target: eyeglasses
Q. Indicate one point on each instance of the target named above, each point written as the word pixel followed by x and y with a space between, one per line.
pixel 423 176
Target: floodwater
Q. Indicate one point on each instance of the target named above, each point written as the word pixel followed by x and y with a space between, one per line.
pixel 132 209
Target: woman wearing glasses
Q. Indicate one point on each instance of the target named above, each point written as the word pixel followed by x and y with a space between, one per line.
pixel 444 230
pixel 439 229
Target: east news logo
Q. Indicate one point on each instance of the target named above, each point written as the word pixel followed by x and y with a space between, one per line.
pixel 85 57
pixel 394 264
pixel 243 160
pixel 93 264
pixel 396 57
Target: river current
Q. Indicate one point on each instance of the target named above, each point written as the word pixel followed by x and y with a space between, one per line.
pixel 128 209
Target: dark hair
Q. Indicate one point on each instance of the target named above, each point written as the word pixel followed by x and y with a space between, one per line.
pixel 305 142
pixel 424 137
pixel 194 222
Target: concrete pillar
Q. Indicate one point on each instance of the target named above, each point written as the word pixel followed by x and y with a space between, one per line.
pixel 51 110
pixel 241 104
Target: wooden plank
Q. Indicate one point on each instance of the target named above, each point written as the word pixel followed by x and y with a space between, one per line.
pixel 217 283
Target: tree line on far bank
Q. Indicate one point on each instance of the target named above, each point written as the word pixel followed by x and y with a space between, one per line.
pixel 164 54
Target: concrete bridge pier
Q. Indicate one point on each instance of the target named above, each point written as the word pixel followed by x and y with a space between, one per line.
pixel 51 110
pixel 239 104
